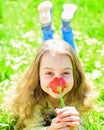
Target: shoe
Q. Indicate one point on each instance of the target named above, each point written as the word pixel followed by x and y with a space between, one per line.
pixel 45 9
pixel 68 12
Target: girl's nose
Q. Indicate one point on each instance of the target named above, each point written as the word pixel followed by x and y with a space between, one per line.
pixel 59 75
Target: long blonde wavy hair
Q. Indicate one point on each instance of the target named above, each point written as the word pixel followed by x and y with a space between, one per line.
pixel 28 93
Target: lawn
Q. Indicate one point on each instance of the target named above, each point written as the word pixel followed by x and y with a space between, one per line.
pixel 20 36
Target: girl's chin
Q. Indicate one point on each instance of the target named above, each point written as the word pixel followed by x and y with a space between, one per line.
pixel 54 95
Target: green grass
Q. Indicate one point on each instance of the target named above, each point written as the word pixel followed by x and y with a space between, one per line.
pixel 20 36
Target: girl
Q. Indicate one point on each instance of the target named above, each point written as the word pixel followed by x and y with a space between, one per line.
pixel 45 14
pixel 36 106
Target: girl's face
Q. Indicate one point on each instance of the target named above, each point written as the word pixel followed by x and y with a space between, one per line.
pixel 55 65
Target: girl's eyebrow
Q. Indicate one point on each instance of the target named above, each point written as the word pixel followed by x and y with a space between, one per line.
pixel 69 68
pixel 47 68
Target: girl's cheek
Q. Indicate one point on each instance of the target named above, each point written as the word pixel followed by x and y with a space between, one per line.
pixel 47 80
pixel 69 80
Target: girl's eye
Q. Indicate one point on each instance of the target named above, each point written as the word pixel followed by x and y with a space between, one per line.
pixel 49 73
pixel 66 73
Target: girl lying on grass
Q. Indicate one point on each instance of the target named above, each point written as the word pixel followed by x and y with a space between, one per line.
pixel 36 102
pixel 54 93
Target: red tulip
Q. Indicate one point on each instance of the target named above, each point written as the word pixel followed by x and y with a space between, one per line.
pixel 57 85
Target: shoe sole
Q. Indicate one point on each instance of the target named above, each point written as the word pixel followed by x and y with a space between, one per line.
pixel 68 11
pixel 44 11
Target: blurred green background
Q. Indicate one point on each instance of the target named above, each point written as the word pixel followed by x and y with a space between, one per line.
pixel 20 36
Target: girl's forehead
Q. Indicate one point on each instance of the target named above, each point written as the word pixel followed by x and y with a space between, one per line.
pixel 54 55
pixel 56 59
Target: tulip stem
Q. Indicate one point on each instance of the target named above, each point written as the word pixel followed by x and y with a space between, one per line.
pixel 61 98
